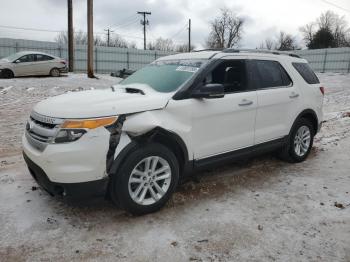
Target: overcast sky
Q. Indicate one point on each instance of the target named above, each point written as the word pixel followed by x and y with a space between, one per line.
pixel 168 20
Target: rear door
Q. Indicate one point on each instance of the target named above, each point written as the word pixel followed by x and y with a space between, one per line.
pixel 279 100
pixel 44 64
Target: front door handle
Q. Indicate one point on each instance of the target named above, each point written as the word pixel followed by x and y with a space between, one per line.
pixel 245 102
pixel 293 95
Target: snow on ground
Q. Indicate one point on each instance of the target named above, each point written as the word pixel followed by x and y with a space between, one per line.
pixel 259 210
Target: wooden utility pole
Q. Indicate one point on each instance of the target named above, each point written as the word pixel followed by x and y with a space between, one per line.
pixel 70 37
pixel 109 31
pixel 189 35
pixel 90 49
pixel 144 22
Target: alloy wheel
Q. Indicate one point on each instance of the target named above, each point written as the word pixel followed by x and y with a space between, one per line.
pixel 302 141
pixel 150 180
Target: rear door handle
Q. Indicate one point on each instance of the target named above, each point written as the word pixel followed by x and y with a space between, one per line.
pixel 245 102
pixel 293 95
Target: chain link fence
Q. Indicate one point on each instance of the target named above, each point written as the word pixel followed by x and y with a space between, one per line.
pixel 111 59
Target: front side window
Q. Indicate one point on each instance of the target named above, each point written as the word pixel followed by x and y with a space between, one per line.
pixel 165 75
pixel 231 74
pixel 26 58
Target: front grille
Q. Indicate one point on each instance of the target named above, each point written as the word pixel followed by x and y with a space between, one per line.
pixel 43 124
pixel 40 130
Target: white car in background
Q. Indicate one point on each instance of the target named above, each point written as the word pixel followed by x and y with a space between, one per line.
pixel 29 63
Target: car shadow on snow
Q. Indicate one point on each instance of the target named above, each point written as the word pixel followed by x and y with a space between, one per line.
pixel 250 174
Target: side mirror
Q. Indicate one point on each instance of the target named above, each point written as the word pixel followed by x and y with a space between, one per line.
pixel 209 91
pixel 17 61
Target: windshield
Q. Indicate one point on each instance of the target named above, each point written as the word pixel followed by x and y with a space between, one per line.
pixel 165 76
pixel 11 58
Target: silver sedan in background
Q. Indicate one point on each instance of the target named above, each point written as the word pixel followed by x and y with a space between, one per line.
pixel 30 63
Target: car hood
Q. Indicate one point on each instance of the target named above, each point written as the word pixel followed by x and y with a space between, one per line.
pixel 104 102
pixel 3 62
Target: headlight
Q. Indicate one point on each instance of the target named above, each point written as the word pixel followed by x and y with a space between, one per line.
pixel 69 135
pixel 89 123
pixel 72 130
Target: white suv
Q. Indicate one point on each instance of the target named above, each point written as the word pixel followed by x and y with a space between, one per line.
pixel 137 139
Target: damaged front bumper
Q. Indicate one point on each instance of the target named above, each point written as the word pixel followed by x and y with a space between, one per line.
pixel 84 189
pixel 76 168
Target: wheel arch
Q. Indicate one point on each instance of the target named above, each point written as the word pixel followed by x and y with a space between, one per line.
pixel 310 115
pixel 10 70
pixel 170 140
pixel 158 135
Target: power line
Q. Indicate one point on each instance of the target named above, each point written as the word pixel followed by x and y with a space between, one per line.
pixel 135 19
pixel 180 31
pixel 127 18
pixel 31 29
pixel 59 31
pixel 127 24
pixel 335 5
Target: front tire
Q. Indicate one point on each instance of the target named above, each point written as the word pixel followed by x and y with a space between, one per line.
pixel 299 143
pixel 7 73
pixel 146 180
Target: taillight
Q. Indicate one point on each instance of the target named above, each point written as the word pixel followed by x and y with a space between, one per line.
pixel 63 62
pixel 322 90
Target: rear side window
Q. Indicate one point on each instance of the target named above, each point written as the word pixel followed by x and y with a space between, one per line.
pixel 306 72
pixel 272 74
pixel 40 57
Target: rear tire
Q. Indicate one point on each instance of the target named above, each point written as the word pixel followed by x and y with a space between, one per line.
pixel 146 180
pixel 7 73
pixel 55 72
pixel 299 143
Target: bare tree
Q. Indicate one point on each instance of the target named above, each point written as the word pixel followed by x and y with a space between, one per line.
pixel 308 31
pixel 285 42
pixel 267 44
pixel 80 38
pixel 226 30
pixel 116 41
pixel 329 30
pixel 162 44
pixel 282 42
pixel 182 48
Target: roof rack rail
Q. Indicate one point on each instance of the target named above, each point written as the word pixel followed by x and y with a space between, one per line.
pixel 274 52
pixel 209 49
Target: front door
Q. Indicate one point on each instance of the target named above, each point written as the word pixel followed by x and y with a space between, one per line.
pixel 225 124
pixel 25 65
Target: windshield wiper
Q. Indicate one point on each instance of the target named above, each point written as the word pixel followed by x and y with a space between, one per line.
pixel 130 90
pixel 134 90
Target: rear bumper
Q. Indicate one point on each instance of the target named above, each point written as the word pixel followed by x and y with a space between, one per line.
pixel 84 189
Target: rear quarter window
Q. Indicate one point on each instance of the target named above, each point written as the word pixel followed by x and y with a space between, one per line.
pixel 306 72
pixel 272 74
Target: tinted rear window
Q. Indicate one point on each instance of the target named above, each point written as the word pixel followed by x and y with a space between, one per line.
pixel 40 57
pixel 270 74
pixel 306 72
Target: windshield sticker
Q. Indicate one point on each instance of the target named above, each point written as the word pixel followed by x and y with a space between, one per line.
pixel 190 69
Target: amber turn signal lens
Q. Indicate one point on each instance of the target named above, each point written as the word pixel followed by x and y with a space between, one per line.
pixel 89 123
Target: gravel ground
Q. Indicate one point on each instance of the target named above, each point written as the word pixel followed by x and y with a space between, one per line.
pixel 259 210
